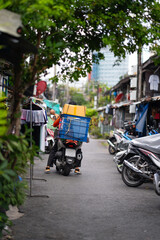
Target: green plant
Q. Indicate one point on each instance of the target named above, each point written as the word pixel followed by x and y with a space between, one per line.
pixel 106 135
pixel 95 131
pixel 15 156
pixel 90 112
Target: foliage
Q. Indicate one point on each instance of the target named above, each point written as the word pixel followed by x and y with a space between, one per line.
pixel 76 96
pixel 106 135
pixel 79 99
pixel 95 131
pixel 3 117
pixel 90 112
pixel 103 100
pixel 15 155
pixel 69 31
pixel 66 33
pixel 61 92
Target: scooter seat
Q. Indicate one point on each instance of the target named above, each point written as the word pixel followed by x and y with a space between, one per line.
pixel 150 143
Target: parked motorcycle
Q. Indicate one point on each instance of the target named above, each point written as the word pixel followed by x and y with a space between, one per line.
pixel 120 140
pixel 120 156
pixel 68 156
pixel 144 165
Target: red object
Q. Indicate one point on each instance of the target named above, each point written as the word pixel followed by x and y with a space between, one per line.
pixel 119 97
pixel 56 122
pixel 89 76
pixel 100 90
pixel 41 87
pixel 51 133
pixel 157 116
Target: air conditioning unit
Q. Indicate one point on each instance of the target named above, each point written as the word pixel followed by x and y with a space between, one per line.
pixel 132 108
pixel 133 94
pixel 133 83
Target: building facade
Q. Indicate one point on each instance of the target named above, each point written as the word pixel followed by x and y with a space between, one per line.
pixel 106 71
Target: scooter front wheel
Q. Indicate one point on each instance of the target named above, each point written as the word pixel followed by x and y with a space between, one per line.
pixel 111 149
pixel 129 177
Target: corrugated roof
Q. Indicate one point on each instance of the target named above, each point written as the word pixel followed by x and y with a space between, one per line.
pixel 121 82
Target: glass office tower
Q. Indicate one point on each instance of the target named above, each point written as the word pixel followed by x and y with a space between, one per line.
pixel 106 72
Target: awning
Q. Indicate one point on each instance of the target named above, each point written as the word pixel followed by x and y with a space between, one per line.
pixel 121 104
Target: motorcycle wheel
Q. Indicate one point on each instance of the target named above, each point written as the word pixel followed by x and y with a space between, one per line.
pixel 129 177
pixel 112 150
pixel 66 171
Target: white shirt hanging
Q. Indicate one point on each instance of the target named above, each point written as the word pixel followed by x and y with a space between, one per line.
pixel 154 81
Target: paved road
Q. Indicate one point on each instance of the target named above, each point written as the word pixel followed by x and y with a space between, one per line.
pixel 95 205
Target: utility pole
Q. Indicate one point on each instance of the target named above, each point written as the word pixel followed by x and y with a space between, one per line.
pixel 54 85
pixel 97 93
pixel 139 73
pixel 67 91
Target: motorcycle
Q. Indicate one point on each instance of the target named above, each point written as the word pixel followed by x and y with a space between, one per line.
pixel 120 140
pixel 120 156
pixel 68 156
pixel 144 165
pixel 73 131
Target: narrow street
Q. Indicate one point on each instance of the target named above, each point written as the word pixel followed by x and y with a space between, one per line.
pixel 95 205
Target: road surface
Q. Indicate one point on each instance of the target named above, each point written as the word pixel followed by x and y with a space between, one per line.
pixel 95 205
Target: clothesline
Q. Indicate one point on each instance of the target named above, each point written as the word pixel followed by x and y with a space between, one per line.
pixel 39 117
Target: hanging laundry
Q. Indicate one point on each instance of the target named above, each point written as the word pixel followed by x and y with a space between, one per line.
pixel 107 108
pixel 52 105
pixel 154 81
pixel 38 116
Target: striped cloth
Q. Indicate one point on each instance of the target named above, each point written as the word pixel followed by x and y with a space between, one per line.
pixel 51 133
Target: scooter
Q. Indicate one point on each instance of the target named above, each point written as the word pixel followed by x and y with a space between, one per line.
pixel 120 139
pixel 68 156
pixel 144 166
pixel 120 156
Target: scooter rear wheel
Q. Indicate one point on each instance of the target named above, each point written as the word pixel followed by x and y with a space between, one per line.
pixel 129 177
pixel 66 170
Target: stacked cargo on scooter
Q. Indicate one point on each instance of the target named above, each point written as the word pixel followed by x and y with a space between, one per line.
pixel 73 124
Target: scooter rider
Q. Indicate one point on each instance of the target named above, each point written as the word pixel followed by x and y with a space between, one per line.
pixel 54 148
pixel 53 151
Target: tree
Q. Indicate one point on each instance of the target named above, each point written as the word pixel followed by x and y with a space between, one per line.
pixel 69 31
pixel 76 96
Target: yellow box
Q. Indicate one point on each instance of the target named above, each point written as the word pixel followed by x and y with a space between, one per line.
pixel 74 110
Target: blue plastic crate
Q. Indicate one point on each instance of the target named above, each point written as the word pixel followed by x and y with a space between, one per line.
pixel 74 127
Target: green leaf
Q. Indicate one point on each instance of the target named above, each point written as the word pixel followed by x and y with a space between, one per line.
pixel 3 165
